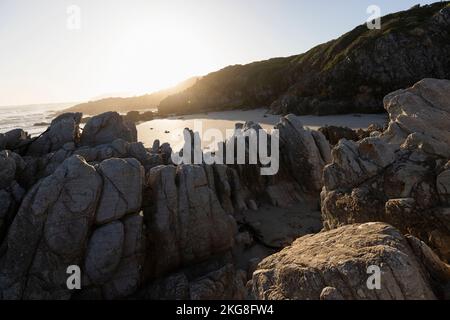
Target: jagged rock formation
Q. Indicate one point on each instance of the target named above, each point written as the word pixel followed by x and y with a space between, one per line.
pixel 186 222
pixel 139 226
pixel 53 227
pixel 302 156
pixel 350 74
pixel 334 265
pixel 401 176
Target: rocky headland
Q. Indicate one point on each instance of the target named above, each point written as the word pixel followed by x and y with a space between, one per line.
pixel 350 74
pixel 140 227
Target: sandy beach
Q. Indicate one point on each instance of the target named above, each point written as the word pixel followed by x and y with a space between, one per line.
pixel 170 129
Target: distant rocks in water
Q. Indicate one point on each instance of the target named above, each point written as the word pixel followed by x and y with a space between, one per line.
pixel 41 124
pixel 141 227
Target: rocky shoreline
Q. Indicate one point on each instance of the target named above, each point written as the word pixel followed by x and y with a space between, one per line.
pixel 140 227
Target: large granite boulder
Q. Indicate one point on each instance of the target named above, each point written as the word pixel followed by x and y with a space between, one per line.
pixel 123 182
pixel 114 260
pixel 186 223
pixel 55 228
pixel 128 275
pixel 63 129
pixel 106 128
pixel 338 265
pixel 104 252
pixel 50 233
pixel 400 176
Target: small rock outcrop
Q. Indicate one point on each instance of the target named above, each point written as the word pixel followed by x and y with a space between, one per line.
pixel 63 129
pixel 14 140
pixel 106 128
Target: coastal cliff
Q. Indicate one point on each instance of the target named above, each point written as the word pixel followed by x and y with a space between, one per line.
pixel 350 74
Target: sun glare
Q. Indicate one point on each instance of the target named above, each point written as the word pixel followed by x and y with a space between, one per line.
pixel 154 56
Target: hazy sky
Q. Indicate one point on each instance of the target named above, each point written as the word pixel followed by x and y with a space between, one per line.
pixel 137 46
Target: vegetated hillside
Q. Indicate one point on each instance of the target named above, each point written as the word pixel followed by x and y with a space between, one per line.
pixel 350 74
pixel 147 101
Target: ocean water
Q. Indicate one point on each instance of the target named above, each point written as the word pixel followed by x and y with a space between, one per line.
pixel 26 117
